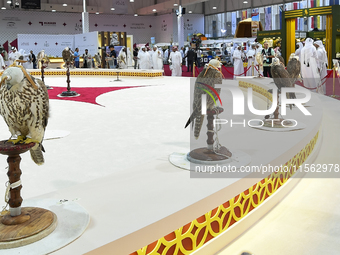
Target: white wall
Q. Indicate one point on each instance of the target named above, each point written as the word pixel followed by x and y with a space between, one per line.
pixel 162 27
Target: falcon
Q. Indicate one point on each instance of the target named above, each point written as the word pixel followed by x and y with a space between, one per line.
pixel 42 56
pixel 281 77
pixel 294 68
pixel 25 108
pixel 67 55
pixel 206 80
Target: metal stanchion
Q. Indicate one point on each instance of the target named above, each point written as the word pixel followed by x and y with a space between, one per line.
pixel 252 69
pixel 335 69
pixel 193 70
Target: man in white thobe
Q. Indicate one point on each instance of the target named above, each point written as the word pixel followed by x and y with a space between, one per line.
pixel 238 62
pixel 176 62
pixel 2 63
pixel 298 50
pixel 144 59
pixel 157 59
pixel 122 58
pixel 13 56
pixel 251 61
pixel 309 67
pixel 322 61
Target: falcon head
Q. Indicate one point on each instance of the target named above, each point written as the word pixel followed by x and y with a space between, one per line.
pixel 293 56
pixel 11 77
pixel 276 62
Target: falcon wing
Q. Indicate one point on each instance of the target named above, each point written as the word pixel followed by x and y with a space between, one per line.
pixel 207 78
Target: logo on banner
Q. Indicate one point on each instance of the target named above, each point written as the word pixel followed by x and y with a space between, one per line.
pixel 11 24
pixel 47 23
pixel 25 44
pixel 84 38
pixel 46 44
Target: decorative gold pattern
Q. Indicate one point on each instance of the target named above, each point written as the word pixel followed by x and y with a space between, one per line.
pixel 257 89
pixel 195 234
pixel 95 73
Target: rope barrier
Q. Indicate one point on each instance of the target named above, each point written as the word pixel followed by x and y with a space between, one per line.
pixel 258 71
pixel 237 74
pixel 197 71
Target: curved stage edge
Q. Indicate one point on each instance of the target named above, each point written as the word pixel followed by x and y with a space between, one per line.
pixel 222 224
pixel 98 72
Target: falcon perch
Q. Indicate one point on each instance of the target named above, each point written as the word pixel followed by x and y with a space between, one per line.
pixel 25 108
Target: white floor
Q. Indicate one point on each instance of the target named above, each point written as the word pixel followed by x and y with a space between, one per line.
pixel 307 221
pixel 135 128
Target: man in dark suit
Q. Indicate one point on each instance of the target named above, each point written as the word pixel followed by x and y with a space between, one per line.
pixel 191 58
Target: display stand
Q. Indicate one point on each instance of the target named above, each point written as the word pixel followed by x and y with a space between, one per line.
pixel 208 154
pixel 118 77
pixel 21 226
pixel 68 93
pixel 42 74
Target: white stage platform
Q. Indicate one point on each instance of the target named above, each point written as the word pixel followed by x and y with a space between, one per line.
pixel 115 161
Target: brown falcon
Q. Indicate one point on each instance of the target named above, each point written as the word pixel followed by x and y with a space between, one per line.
pixel 294 68
pixel 25 108
pixel 67 55
pixel 281 77
pixel 210 76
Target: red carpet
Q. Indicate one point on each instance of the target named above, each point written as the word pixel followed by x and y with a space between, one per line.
pixel 87 95
pixel 227 75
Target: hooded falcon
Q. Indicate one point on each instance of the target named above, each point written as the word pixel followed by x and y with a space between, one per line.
pixel 206 81
pixel 67 55
pixel 25 108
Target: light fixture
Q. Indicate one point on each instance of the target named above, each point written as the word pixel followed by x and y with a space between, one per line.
pixel 245 1
pixel 189 11
pixel 97 13
pixel 154 10
pixel 9 2
pixel 131 1
pixel 53 10
pixel 135 15
pixel 223 31
pixel 175 4
pixel 214 7
pixel 112 9
pixel 64 5
pixel 3 8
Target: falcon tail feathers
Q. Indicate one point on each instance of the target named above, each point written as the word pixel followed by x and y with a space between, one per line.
pixel 36 154
pixel 191 118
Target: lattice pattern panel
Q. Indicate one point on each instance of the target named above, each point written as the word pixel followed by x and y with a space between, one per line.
pixel 257 89
pixel 195 234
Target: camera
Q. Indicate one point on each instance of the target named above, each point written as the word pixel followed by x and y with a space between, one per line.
pixel 102 48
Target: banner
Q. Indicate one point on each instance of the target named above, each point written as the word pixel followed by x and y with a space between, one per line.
pixel 244 15
pixel 87 41
pixel 30 4
pixel 268 18
pixel 52 44
pixel 233 23
pixel 121 6
pixel 255 16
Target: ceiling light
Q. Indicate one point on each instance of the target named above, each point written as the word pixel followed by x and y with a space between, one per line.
pixel 154 10
pixel 9 2
pixel 97 12
pixel 245 2
pixel 131 1
pixel 175 4
pixel 214 7
pixel 135 15
pixel 65 5
pixel 3 8
pixel 112 9
pixel 190 11
pixel 53 10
